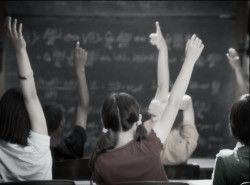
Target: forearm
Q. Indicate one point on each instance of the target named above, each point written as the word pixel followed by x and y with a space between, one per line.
pixel 162 75
pixel 240 81
pixel 82 108
pixel 188 115
pixel 25 71
pixel 82 88
pixel 181 83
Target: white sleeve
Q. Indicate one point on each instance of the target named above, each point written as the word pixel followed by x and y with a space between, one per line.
pixel 38 140
pixel 41 156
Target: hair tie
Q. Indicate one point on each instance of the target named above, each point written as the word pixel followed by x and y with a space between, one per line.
pixel 104 130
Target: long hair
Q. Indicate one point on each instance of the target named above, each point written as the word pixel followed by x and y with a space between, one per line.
pixel 239 119
pixel 14 118
pixel 120 112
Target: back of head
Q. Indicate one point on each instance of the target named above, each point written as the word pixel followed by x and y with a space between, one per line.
pixel 120 111
pixel 54 116
pixel 14 118
pixel 239 119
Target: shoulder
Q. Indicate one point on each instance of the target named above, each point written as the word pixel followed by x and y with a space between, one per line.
pixel 38 140
pixel 152 141
pixel 152 136
pixel 226 158
pixel 225 153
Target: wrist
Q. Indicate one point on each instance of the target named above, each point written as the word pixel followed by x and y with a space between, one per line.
pixel 190 61
pixel 20 50
pixel 26 76
pixel 163 47
pixel 237 68
pixel 80 70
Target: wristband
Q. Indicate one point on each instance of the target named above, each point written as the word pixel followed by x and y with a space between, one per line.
pixel 25 77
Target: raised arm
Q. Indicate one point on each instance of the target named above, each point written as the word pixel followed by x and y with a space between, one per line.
pixel 194 48
pixel 157 39
pixel 32 103
pixel 234 61
pixel 82 108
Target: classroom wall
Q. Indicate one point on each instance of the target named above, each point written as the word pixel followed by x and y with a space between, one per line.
pixel 115 34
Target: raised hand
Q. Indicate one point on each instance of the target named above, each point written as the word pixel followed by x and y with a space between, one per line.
pixel 194 48
pixel 157 39
pixel 15 34
pixel 80 57
pixel 233 59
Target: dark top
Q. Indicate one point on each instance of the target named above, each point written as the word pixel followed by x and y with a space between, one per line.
pixel 135 161
pixel 71 147
pixel 232 166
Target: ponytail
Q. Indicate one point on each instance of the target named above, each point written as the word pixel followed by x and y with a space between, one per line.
pixel 106 142
pixel 140 133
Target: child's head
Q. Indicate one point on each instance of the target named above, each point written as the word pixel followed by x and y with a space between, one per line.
pixel 54 118
pixel 14 118
pixel 120 112
pixel 239 119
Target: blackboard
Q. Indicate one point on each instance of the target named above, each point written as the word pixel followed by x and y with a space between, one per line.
pixel 120 58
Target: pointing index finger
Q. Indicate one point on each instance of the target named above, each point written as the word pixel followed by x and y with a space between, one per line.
pixel 77 44
pixel 158 28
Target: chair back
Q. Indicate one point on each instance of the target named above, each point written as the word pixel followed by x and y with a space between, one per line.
pixel 41 182
pixel 245 183
pixel 151 183
pixel 73 169
pixel 182 171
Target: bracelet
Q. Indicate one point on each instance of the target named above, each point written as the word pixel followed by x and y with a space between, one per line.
pixel 25 77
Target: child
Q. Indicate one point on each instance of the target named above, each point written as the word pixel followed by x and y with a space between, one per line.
pixel 24 141
pixel 125 152
pixel 71 147
pixel 232 166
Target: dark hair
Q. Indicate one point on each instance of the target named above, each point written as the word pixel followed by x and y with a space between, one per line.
pixel 120 111
pixel 14 118
pixel 54 116
pixel 239 119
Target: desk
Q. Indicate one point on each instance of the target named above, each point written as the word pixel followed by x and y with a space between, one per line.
pixel 190 182
pixel 206 166
pixel 206 163
pixel 83 183
pixel 195 182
